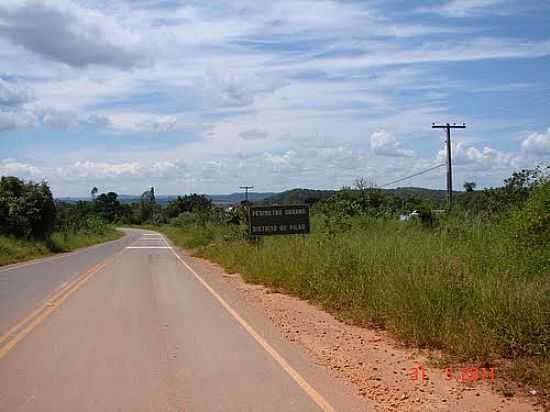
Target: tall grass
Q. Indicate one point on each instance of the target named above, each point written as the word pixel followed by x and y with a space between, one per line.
pixel 14 250
pixel 460 287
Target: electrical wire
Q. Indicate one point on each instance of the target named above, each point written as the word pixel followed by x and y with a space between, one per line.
pixel 413 175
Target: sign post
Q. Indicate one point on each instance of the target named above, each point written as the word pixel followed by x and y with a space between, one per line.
pixel 278 220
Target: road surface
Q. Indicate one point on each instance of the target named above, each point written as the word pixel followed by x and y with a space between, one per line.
pixel 132 325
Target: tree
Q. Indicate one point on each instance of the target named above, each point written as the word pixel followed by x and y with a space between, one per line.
pixel 147 205
pixel 193 203
pixel 94 192
pixel 107 206
pixel 469 186
pixel 27 209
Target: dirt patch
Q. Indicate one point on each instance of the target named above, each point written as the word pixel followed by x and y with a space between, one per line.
pixel 397 378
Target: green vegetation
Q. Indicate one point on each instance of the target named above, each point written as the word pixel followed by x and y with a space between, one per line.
pixel 32 225
pixel 474 282
pixel 13 250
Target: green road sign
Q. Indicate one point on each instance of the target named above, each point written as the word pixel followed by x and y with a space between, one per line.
pixel 278 220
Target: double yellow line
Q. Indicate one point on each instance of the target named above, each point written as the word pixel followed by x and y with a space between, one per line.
pixel 19 330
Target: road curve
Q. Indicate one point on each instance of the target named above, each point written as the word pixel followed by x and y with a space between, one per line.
pixel 145 331
pixel 24 286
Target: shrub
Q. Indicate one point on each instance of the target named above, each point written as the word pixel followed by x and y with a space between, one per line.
pixel 27 209
pixel 530 227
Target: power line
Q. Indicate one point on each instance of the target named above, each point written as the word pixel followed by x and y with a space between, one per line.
pixel 246 189
pixel 448 128
pixel 413 175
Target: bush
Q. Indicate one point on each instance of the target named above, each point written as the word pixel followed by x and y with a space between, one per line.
pixel 530 228
pixel 27 209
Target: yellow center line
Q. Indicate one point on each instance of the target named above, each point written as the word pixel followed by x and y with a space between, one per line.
pixel 49 301
pixel 18 331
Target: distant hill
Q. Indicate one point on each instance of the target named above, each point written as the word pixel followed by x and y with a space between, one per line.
pixel 294 196
pixel 122 198
pixel 233 198
pixel 221 200
pixel 438 197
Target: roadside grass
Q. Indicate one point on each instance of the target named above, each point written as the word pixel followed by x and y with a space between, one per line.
pixel 14 250
pixel 461 287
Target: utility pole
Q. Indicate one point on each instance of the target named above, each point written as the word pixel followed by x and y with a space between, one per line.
pixel 448 128
pixel 153 201
pixel 246 188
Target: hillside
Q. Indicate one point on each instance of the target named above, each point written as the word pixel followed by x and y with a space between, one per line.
pixel 291 196
pixel 307 195
pixel 223 199
pixel 298 196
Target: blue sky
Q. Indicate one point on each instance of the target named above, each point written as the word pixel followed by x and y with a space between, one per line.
pixel 205 96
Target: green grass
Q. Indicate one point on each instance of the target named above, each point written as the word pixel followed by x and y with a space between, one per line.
pixel 16 250
pixel 460 288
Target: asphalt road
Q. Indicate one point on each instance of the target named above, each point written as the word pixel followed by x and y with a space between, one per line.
pixel 133 325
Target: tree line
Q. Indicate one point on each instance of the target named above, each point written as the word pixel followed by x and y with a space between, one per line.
pixel 28 210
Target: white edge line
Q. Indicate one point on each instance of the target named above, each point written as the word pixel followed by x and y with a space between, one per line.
pixel 306 387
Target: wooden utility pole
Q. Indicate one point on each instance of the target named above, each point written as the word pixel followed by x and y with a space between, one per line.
pixel 246 188
pixel 448 128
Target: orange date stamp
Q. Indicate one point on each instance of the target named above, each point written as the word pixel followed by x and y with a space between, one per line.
pixel 465 375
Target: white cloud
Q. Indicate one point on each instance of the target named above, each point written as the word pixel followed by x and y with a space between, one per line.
pixel 87 170
pixel 256 88
pixel 168 170
pixel 114 171
pixel 253 134
pixel 472 158
pixel 13 94
pixel 384 143
pixel 282 163
pixel 11 167
pixel 60 120
pixel 16 120
pixel 465 8
pixel 143 123
pixel 230 89
pixel 65 32
pixel 537 143
pixel 158 124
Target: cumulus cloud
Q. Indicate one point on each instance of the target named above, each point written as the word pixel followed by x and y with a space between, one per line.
pixel 484 159
pixel 168 170
pixel 60 120
pixel 64 32
pixel 11 167
pixel 232 89
pixel 16 120
pixel 98 120
pixel 253 134
pixel 13 94
pixel 282 163
pixel 464 8
pixel 158 124
pixel 14 115
pixel 90 170
pixel 537 143
pixel 384 143
pixel 99 170
pixel 143 123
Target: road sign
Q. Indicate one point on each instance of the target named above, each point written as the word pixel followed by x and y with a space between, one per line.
pixel 278 220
